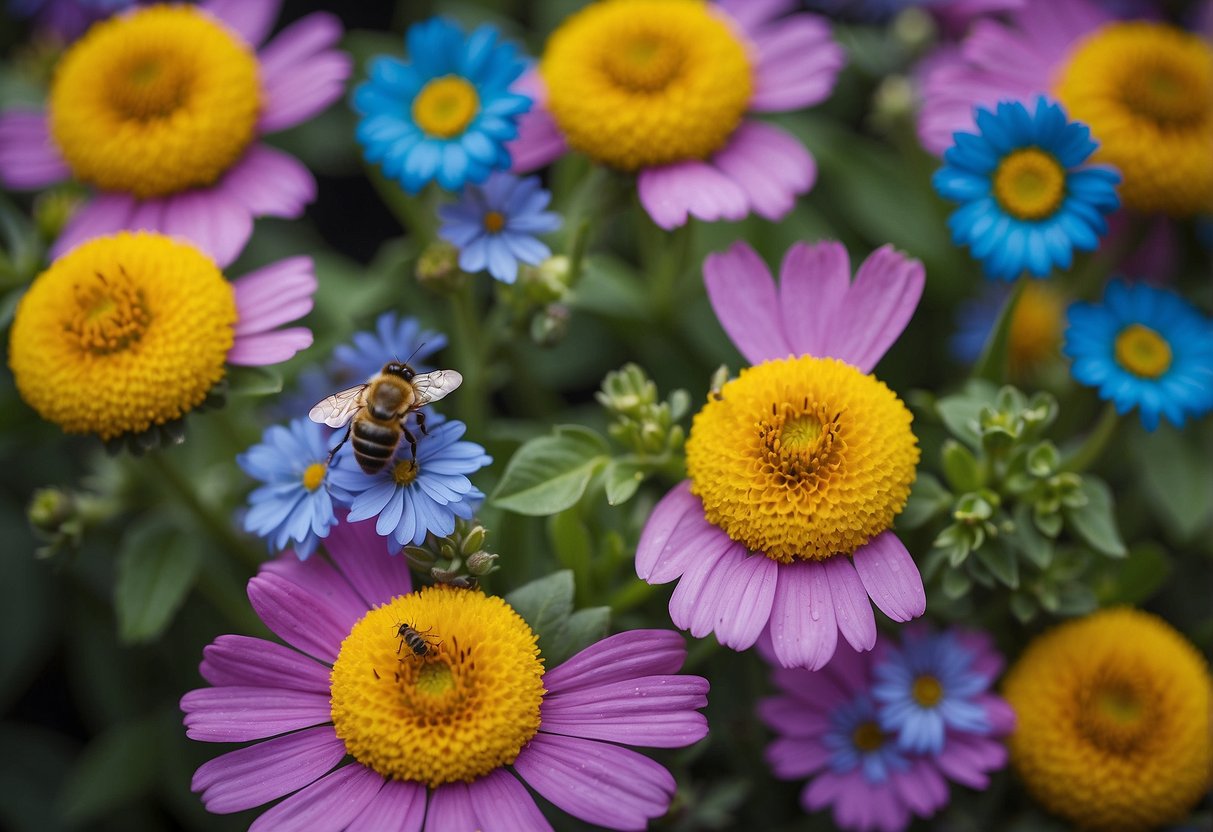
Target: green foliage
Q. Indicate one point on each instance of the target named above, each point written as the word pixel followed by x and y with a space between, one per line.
pixel 546 604
pixel 549 474
pixel 157 565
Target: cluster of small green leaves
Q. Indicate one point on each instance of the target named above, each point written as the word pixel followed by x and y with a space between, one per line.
pixel 459 559
pixel 1018 519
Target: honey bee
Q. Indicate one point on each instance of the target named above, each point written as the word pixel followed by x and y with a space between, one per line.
pixel 415 640
pixel 376 411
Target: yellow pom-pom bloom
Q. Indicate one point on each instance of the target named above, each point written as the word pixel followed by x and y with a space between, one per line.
pixel 802 458
pixel 639 83
pixel 154 102
pixel 122 333
pixel 1146 92
pixel 464 708
pixel 1114 726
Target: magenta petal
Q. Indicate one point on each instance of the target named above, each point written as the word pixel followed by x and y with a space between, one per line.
pixel 852 609
pixel 504 805
pixel 742 293
pixel 673 192
pixel 794 717
pixel 750 14
pixel 539 140
pixel 239 714
pixel 657 711
pixel 451 809
pixel 318 577
pixel 999 712
pixel 209 218
pixel 104 214
pixel 771 166
pixel 921 788
pixel 798 63
pixel 378 577
pixel 595 781
pixel 270 183
pixel 269 348
pixel 700 591
pixel 398 807
pixel 267 770
pixel 300 74
pixel 891 577
pixel 325 806
pixel 803 630
pixel 744 607
pixel 1054 27
pixel 243 660
pixel 795 759
pixel 676 536
pixel 299 616
pixel 627 655
pixel 881 302
pixel 274 295
pixel 28 156
pixel 252 20
pixel 814 280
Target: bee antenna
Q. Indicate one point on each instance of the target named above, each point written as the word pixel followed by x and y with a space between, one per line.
pixel 420 347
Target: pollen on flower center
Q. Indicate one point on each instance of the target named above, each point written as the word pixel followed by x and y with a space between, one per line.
pixel 802 458
pixel 1029 184
pixel 1142 351
pixel 446 106
pixel 110 315
pixel 464 709
pixel 494 221
pixel 313 475
pixel 927 691
pixel 405 471
pixel 638 83
pixel 155 102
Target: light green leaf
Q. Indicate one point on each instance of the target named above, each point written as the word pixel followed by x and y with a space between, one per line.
pixel 1000 560
pixel 549 474
pixel 1095 522
pixel 253 381
pixel 960 467
pixel 545 604
pixel 1035 546
pixel 956 584
pixel 156 568
pixel 621 480
pixel 1135 579
pixel 927 500
pixel 571 541
pixel 1178 481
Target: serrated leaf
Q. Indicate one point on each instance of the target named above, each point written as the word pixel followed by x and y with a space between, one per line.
pixel 621 480
pixel 1001 562
pixel 1178 481
pixel 1095 522
pixel 253 381
pixel 545 604
pixel 549 474
pixel 156 568
pixel 581 629
pixel 114 769
pixel 927 500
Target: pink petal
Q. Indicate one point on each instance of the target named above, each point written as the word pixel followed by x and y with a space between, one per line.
pixel 105 213
pixel 300 73
pixel 209 218
pixel 270 348
pixel 742 293
pixel 676 536
pixel 921 788
pixel 322 580
pixel 814 281
pixel 798 63
pixel 502 803
pixel 750 14
pixel 771 166
pixel 274 295
pixel 451 809
pixel 539 140
pixel 891 577
pixel 1055 27
pixel 987 661
pixel 803 631
pixel 247 661
pixel 657 711
pixel 239 714
pixel 950 89
pixel 702 591
pixel 267 770
pixel 252 20
pixel 596 782
pixel 849 668
pixel 270 183
pixel 29 158
pixel 671 193
pixel 301 617
pixel 852 609
pixel 327 805
pixel 742 612
pixel 628 655
pixel 795 717
pixel 999 712
pixel 795 759
pixel 398 807
pixel 377 577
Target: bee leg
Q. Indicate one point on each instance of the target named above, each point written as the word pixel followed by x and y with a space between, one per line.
pixel 421 422
pixel 412 440
pixel 344 439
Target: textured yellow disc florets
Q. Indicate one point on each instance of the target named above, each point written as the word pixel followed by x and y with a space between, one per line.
pixel 638 83
pixel 155 102
pixel 122 333
pixel 1142 351
pixel 1029 184
pixel 802 458
pixel 1146 91
pixel 464 708
pixel 1114 729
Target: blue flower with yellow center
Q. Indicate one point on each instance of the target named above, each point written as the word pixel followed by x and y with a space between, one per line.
pixel 395 338
pixel 1144 347
pixel 1026 199
pixel 446 114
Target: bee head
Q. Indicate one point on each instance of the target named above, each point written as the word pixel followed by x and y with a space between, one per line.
pixel 400 369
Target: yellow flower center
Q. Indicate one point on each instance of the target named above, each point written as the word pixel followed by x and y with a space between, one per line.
pixel 446 106
pixel 1029 184
pixel 1114 714
pixel 462 710
pixel 155 102
pixel 927 691
pixel 313 475
pixel 122 333
pixel 405 471
pixel 1036 326
pixel 639 83
pixel 1142 351
pixel 1146 91
pixel 868 737
pixel 494 221
pixel 802 458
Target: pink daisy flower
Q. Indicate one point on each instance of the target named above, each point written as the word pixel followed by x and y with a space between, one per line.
pixel 161 110
pixel 830 729
pixel 441 699
pixel 798 466
pixel 666 89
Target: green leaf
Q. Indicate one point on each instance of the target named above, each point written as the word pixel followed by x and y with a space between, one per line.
pixel 549 474
pixel 1023 607
pixel 956 584
pixel 32 770
pixel 961 412
pixel 960 467
pixel 1135 579
pixel 545 604
pixel 1076 599
pixel 1095 522
pixel 927 500
pixel 622 479
pixel 156 568
pixel 571 541
pixel 581 629
pixel 253 381
pixel 1000 560
pixel 1178 481
pixel 115 768
pixel 1035 546
pixel 994 362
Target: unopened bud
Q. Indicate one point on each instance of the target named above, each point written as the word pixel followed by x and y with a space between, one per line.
pixel 549 327
pixel 50 508
pixel 481 563
pixel 53 210
pixel 438 267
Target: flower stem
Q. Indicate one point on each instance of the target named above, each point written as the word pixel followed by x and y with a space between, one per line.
pixel 995 355
pixel 1085 455
pixel 471 354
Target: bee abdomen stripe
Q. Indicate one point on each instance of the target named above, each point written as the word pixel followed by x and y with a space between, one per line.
pixel 372 449
pixel 378 434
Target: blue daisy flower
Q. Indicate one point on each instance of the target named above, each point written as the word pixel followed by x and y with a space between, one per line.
pixel 1144 347
pixel 411 500
pixel 395 338
pixel 930 684
pixel 295 503
pixel 856 743
pixel 494 225
pixel 1026 200
pixel 446 114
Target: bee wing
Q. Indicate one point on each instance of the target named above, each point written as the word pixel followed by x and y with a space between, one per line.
pixel 337 410
pixel 431 387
